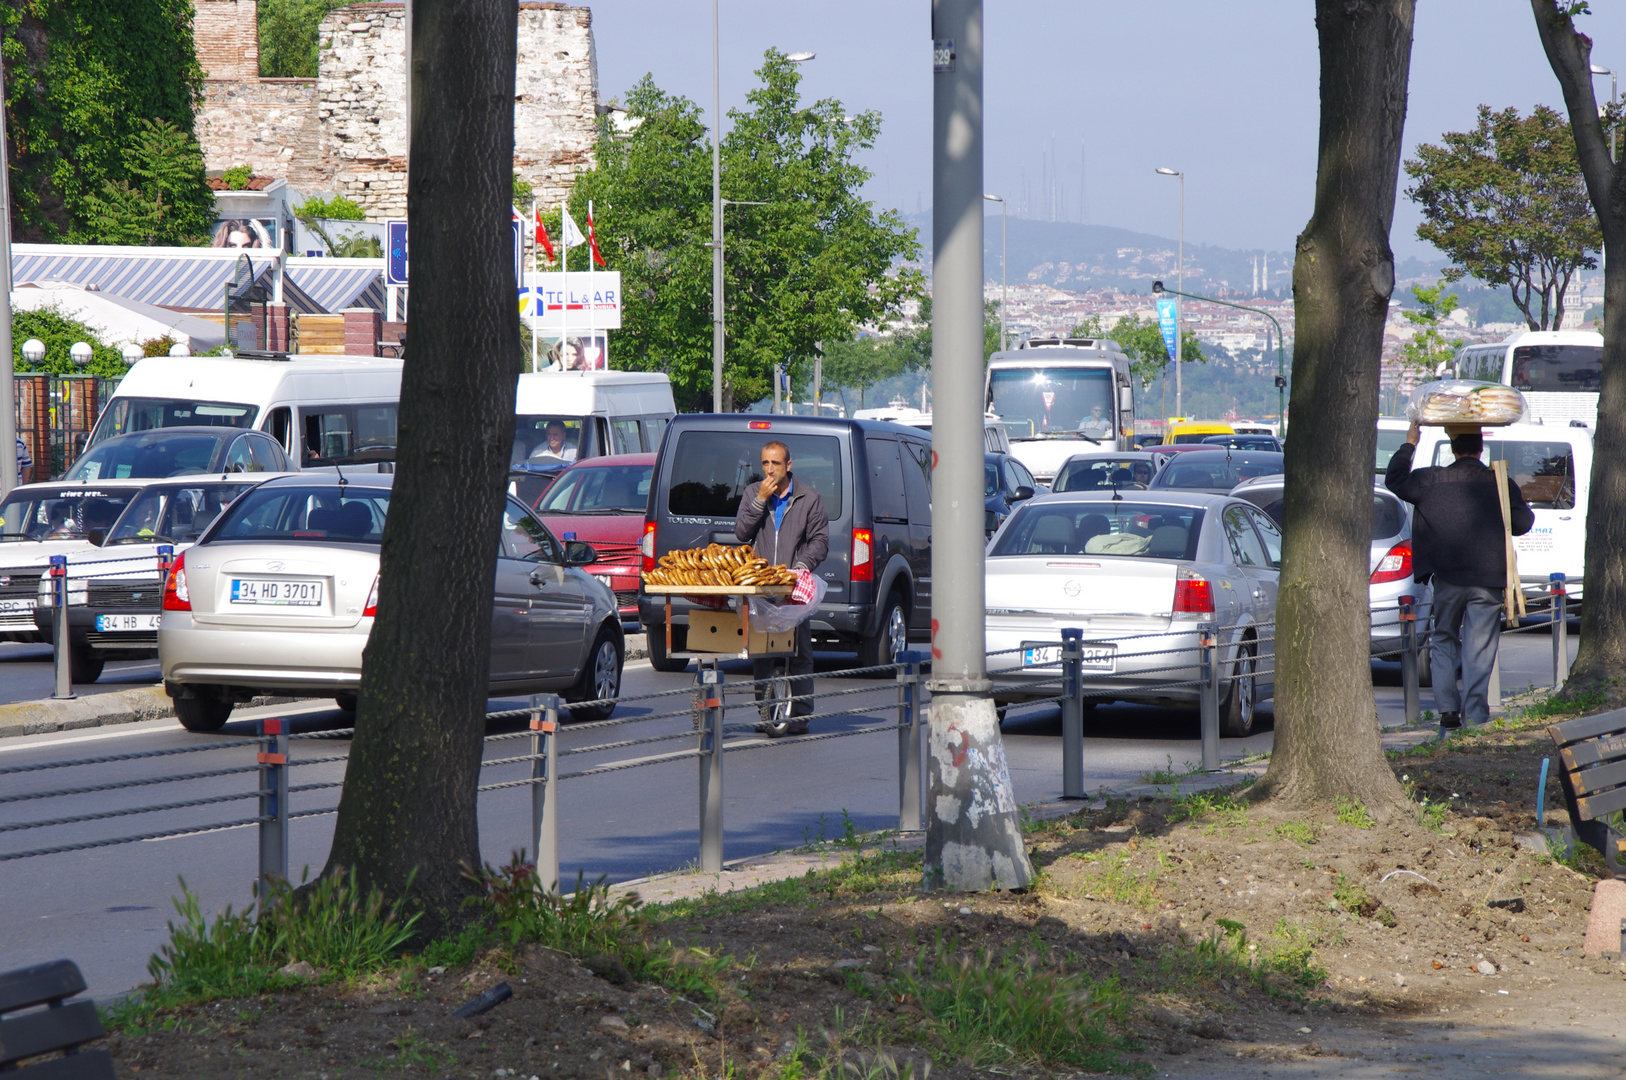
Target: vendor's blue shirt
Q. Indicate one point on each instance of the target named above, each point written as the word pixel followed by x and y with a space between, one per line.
pixel 779 504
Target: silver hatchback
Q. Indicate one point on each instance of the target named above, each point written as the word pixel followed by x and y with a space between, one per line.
pixel 278 596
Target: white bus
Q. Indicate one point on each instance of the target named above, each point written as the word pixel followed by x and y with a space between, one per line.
pixel 1062 396
pixel 1557 371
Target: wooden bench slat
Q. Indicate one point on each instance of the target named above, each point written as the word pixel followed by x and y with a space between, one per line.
pixel 1591 752
pixel 1591 781
pixel 1587 727
pixel 1593 807
pixel 39 984
pixel 86 1065
pixel 40 1032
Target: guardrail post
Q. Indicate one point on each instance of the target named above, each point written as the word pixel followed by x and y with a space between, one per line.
pixel 166 558
pixel 1208 693
pixel 63 658
pixel 1408 658
pixel 910 717
pixel 1561 631
pixel 273 806
pixel 545 789
pixel 1072 713
pixel 711 769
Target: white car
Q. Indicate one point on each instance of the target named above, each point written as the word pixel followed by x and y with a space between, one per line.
pixel 279 596
pixel 1139 574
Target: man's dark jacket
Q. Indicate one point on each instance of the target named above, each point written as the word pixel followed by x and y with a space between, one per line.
pixel 801 540
pixel 1456 531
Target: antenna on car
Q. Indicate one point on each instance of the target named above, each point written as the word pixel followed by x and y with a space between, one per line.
pixel 342 479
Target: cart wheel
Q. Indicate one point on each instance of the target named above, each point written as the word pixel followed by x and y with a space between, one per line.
pixel 773 708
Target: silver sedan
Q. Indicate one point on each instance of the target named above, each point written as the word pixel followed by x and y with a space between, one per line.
pixel 1139 575
pixel 278 596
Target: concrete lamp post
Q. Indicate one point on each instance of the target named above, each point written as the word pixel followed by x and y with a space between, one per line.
pixel 1181 265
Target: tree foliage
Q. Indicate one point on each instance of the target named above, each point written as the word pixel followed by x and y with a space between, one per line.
pixel 81 76
pixel 59 333
pixel 813 264
pixel 1142 340
pixel 1506 203
pixel 289 30
pixel 165 201
pixel 314 212
pixel 1428 348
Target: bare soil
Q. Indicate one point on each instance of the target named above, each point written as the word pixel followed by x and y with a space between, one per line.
pixel 1244 942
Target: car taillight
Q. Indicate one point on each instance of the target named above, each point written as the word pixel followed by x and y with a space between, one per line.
pixel 1193 594
pixel 646 548
pixel 1395 566
pixel 372 601
pixel 176 596
pixel 863 555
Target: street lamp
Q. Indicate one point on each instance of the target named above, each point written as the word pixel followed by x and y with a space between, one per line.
pixel 180 348
pixel 80 353
pixel 1181 270
pixel 717 215
pixel 34 351
pixel 1281 367
pixel 1003 343
pixel 1599 70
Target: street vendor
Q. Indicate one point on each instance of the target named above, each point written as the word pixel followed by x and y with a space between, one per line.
pixel 1458 540
pixel 785 521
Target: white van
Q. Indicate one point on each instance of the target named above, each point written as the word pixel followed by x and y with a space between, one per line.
pixel 566 415
pixel 324 410
pixel 995 439
pixel 1553 468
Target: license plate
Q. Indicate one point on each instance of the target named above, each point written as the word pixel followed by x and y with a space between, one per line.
pixel 1097 657
pixel 127 622
pixel 12 607
pixel 276 593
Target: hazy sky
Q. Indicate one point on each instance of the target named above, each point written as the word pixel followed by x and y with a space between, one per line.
pixel 1225 90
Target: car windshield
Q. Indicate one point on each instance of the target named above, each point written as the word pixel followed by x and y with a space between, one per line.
pixel 1103 474
pixel 1544 471
pixel 1213 472
pixel 165 455
pixel 1144 530
pixel 1560 368
pixel 169 515
pixel 547 438
pixel 349 513
pixel 710 470
pixel 599 489
pixel 1388 443
pixel 1243 442
pixel 59 513
pixel 1053 402
pixel 127 414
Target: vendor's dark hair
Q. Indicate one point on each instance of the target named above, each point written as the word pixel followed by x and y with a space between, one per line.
pixel 1470 444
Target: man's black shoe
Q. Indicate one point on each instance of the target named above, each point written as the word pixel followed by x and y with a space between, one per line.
pixel 1450 721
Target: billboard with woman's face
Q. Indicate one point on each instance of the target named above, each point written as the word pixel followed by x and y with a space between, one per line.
pixel 245 233
pixel 581 354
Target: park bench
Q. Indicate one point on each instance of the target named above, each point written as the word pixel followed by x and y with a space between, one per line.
pixel 1592 750
pixel 59 1029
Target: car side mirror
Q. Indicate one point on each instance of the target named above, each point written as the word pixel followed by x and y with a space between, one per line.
pixel 96 536
pixel 1023 493
pixel 1126 399
pixel 579 553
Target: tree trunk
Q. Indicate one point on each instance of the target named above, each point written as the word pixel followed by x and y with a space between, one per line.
pixel 1326 722
pixel 408 806
pixel 1602 655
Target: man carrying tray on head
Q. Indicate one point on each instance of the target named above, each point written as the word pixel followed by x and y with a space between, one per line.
pixel 1457 539
pixel 785 522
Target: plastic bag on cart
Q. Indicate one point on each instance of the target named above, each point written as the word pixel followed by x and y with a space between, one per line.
pixel 778 618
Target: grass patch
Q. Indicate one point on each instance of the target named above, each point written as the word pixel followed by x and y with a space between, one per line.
pixel 1168 775
pixel 1024 1009
pixel 1121 882
pixel 1352 812
pixel 1300 832
pixel 1284 965
pixel 1356 901
pixel 1220 807
pixel 1562 704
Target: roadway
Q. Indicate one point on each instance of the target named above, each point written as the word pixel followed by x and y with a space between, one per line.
pixel 107 907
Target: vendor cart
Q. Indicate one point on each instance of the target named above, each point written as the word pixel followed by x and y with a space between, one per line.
pixel 720 629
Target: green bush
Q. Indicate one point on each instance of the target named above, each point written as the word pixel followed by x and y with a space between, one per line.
pixel 237 177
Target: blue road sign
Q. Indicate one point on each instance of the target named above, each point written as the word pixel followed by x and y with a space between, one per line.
pixel 395 252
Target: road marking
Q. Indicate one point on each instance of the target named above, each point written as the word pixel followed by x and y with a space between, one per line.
pixel 24 742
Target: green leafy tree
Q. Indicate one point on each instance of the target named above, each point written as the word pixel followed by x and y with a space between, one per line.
pixel 81 76
pixel 1428 348
pixel 813 264
pixel 289 30
pixel 523 192
pixel 1507 204
pixel 166 200
pixel 1142 340
pixel 60 333
pixel 312 214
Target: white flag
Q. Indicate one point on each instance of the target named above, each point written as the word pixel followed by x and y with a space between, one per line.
pixel 569 233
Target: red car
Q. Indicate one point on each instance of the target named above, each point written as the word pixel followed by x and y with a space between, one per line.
pixel 601 502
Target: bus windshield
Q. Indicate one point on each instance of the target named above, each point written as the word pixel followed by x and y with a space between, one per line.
pixel 1557 368
pixel 1053 402
pixel 127 414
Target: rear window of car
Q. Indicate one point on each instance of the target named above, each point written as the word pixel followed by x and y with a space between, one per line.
pixel 1388 443
pixel 1098 474
pixel 1145 530
pixel 1388 516
pixel 599 489
pixel 1216 473
pixel 711 470
pixel 351 514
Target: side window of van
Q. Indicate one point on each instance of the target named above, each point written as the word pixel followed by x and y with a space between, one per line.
pixel 281 426
pixel 626 436
pixel 340 432
pixel 654 429
pixel 917 480
pixel 886 495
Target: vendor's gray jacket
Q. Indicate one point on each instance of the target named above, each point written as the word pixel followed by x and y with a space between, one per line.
pixel 802 539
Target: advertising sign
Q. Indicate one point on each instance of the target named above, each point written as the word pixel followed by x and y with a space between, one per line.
pixel 572 303
pixel 1168 310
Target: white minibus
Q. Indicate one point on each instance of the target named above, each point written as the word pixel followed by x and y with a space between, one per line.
pixel 1557 371
pixel 566 415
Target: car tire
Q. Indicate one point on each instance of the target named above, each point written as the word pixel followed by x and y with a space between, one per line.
pixel 203 713
pixel 658 658
pixel 891 638
pixel 1237 710
pixel 84 665
pixel 600 678
pixel 346 702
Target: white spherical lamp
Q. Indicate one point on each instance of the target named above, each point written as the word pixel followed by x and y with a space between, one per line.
pixel 34 350
pixel 180 348
pixel 80 353
pixel 132 352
